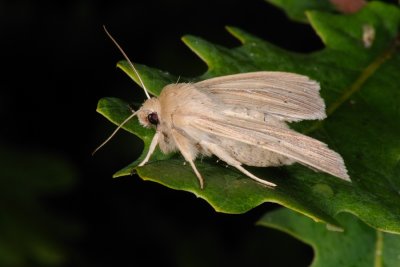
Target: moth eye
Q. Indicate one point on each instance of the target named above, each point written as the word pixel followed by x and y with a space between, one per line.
pixel 153 118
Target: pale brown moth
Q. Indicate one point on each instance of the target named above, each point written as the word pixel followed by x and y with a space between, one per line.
pixel 241 119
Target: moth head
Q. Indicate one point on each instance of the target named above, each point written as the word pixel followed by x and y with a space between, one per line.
pixel 149 113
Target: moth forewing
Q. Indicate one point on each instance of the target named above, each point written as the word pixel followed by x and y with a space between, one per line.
pixel 273 146
pixel 287 96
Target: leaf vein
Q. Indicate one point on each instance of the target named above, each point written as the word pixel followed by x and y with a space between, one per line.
pixel 365 74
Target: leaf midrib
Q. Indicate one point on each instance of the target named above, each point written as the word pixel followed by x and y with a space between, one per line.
pixel 356 86
pixel 364 76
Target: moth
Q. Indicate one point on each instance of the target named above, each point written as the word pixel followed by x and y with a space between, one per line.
pixel 241 119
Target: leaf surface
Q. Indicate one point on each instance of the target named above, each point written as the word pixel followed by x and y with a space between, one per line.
pixel 358 245
pixel 360 86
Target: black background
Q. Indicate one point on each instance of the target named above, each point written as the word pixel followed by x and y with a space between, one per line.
pixel 57 63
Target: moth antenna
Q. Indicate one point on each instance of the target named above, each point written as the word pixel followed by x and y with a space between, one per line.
pixel 115 131
pixel 177 81
pixel 129 61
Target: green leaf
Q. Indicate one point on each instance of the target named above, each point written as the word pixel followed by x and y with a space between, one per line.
pixel 358 245
pixel 296 9
pixel 360 86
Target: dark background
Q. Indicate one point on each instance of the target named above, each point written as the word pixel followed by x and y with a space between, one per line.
pixel 56 64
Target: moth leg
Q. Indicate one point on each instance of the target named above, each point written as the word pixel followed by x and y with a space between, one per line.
pixel 220 153
pixel 187 152
pixel 199 177
pixel 152 147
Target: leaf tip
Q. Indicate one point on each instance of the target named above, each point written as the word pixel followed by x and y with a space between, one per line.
pixel 125 67
pixel 236 32
pixel 200 47
pixel 312 17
